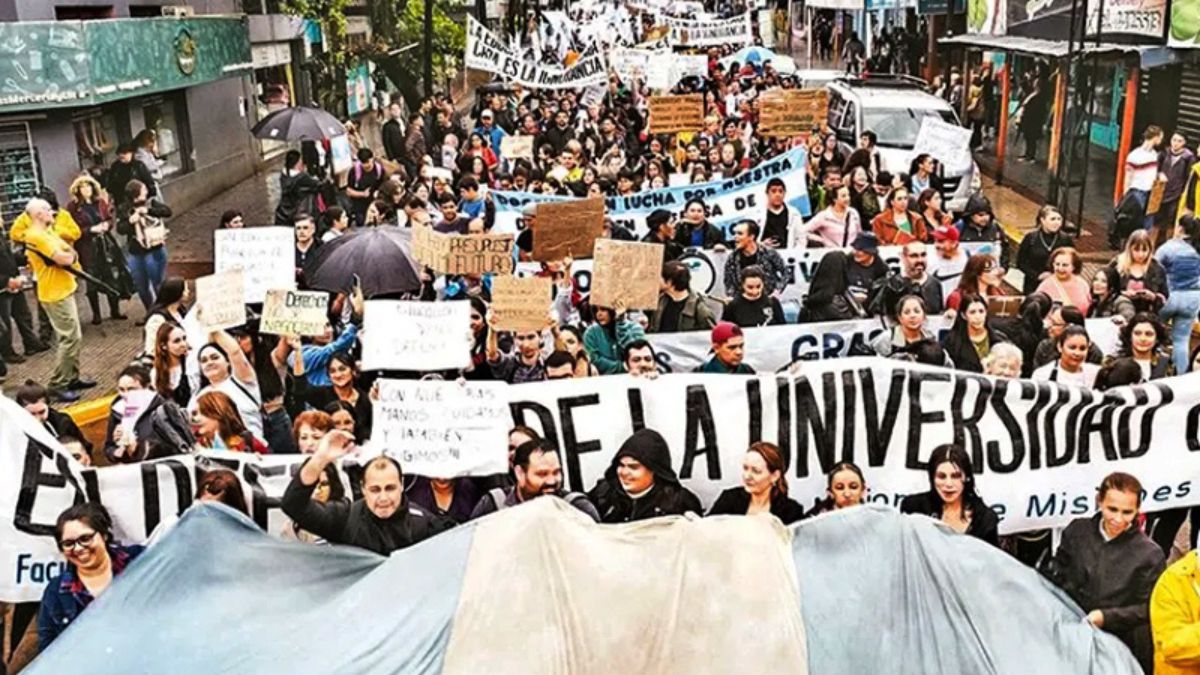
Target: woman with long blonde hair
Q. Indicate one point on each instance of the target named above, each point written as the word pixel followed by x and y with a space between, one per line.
pixel 1143 279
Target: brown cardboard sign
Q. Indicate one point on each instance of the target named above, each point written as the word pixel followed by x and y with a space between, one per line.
pixel 626 272
pixel 521 304
pixel 792 112
pixel 567 228
pixel 673 114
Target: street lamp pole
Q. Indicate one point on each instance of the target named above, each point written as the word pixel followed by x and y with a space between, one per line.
pixel 428 48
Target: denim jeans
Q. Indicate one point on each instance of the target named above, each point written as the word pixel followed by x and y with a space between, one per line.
pixel 1180 310
pixel 277 432
pixel 148 270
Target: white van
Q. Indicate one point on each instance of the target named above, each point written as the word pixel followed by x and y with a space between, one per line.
pixel 893 107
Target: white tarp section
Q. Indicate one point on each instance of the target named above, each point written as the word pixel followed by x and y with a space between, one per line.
pixel 669 595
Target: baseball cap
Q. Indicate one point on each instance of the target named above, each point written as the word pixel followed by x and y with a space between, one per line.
pixel 866 242
pixel 487 112
pixel 725 330
pixel 945 233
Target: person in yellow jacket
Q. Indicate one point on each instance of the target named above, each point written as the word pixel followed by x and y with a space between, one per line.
pixel 48 239
pixel 1175 619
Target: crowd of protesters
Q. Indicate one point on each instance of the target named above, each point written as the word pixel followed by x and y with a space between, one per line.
pixel 261 393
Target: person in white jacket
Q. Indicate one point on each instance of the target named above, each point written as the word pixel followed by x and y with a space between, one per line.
pixel 781 223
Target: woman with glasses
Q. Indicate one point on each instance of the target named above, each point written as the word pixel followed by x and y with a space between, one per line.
pixel 981 276
pixel 84 535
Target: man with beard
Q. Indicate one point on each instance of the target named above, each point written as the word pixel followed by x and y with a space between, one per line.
pixel 640 360
pixel 382 521
pixel 539 474
pixel 641 483
pixel 911 280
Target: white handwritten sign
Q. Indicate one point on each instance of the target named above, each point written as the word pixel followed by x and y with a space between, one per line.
pixel 949 144
pixel 405 335
pixel 444 429
pixel 219 300
pixel 287 312
pixel 266 254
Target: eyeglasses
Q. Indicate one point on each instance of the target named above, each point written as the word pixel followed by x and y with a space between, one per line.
pixel 82 541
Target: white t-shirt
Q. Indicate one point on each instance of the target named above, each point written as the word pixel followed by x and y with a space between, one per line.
pixel 1142 168
pixel 246 397
pixel 1086 377
pixel 948 271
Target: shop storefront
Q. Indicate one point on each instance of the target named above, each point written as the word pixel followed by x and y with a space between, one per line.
pixel 80 89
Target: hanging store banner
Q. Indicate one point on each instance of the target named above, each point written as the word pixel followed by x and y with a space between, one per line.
pixel 1143 18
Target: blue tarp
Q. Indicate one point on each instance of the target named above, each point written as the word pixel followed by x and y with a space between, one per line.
pixel 879 592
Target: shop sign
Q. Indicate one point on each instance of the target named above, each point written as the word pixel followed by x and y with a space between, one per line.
pixel 185 52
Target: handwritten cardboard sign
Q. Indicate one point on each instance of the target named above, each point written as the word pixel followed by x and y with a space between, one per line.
pixel 521 304
pixel 266 254
pixel 288 312
pixel 444 429
pixel 567 228
pixel 792 112
pixel 948 143
pixel 219 300
pixel 1156 197
pixel 673 114
pixel 421 336
pixel 626 272
pixel 516 147
pixel 473 254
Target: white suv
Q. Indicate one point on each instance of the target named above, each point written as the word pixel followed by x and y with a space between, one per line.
pixel 893 108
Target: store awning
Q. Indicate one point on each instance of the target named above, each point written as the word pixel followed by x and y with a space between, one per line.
pixel 1149 56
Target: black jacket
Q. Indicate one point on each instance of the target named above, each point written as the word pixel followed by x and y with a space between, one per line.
pixel 766 311
pixel 162 430
pixel 984 522
pixel 393 140
pixel 713 236
pixel 1115 577
pixel 826 299
pixel 735 502
pixel 296 193
pixel 61 424
pixel 1033 255
pixel 119 175
pixel 665 498
pixel 962 352
pixel 353 524
pixel 671 248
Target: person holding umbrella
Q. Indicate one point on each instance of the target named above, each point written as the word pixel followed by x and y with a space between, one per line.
pixel 297 189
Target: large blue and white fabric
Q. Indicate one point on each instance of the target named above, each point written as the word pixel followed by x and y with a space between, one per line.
pixel 541 589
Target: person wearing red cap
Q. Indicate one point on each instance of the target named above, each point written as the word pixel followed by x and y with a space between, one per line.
pixel 729 349
pixel 950 261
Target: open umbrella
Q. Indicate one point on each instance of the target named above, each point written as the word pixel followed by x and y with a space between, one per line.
pixel 298 123
pixel 380 256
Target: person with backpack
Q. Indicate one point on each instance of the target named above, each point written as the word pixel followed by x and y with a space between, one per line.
pixel 538 471
pixel 160 428
pixel 364 179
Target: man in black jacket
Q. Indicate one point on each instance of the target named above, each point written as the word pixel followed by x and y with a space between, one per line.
pixel 911 280
pixel 841 283
pixel 382 521
pixel 641 483
pixel 297 189
pixel 125 169
pixel 539 474
pixel 393 135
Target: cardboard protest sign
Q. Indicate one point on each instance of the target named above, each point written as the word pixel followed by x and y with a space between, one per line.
pixel 219 300
pixel 626 272
pixel 1156 197
pixel 792 112
pixel 266 254
pixel 948 143
pixel 444 429
pixel 521 304
pixel 673 114
pixel 463 253
pixel 288 312
pixel 516 147
pixel 568 228
pixel 405 335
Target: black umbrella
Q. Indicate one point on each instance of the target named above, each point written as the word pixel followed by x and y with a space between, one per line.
pixel 298 124
pixel 380 256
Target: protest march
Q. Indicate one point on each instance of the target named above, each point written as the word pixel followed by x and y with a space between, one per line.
pixel 632 363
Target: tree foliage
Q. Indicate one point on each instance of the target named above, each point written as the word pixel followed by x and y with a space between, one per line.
pixel 395 24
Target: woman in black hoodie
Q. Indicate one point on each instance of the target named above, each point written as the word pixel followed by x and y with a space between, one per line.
pixel 641 484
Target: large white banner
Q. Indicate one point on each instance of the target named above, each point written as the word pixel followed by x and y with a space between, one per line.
pixel 267 256
pixel 487 52
pixel 1039 449
pixel 771 349
pixel 689 33
pixel 728 201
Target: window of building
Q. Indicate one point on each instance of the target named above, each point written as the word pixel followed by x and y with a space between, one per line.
pixel 145 11
pixel 167 117
pixel 98 132
pixel 84 13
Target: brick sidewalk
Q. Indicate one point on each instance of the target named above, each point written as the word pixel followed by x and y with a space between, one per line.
pixel 112 344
